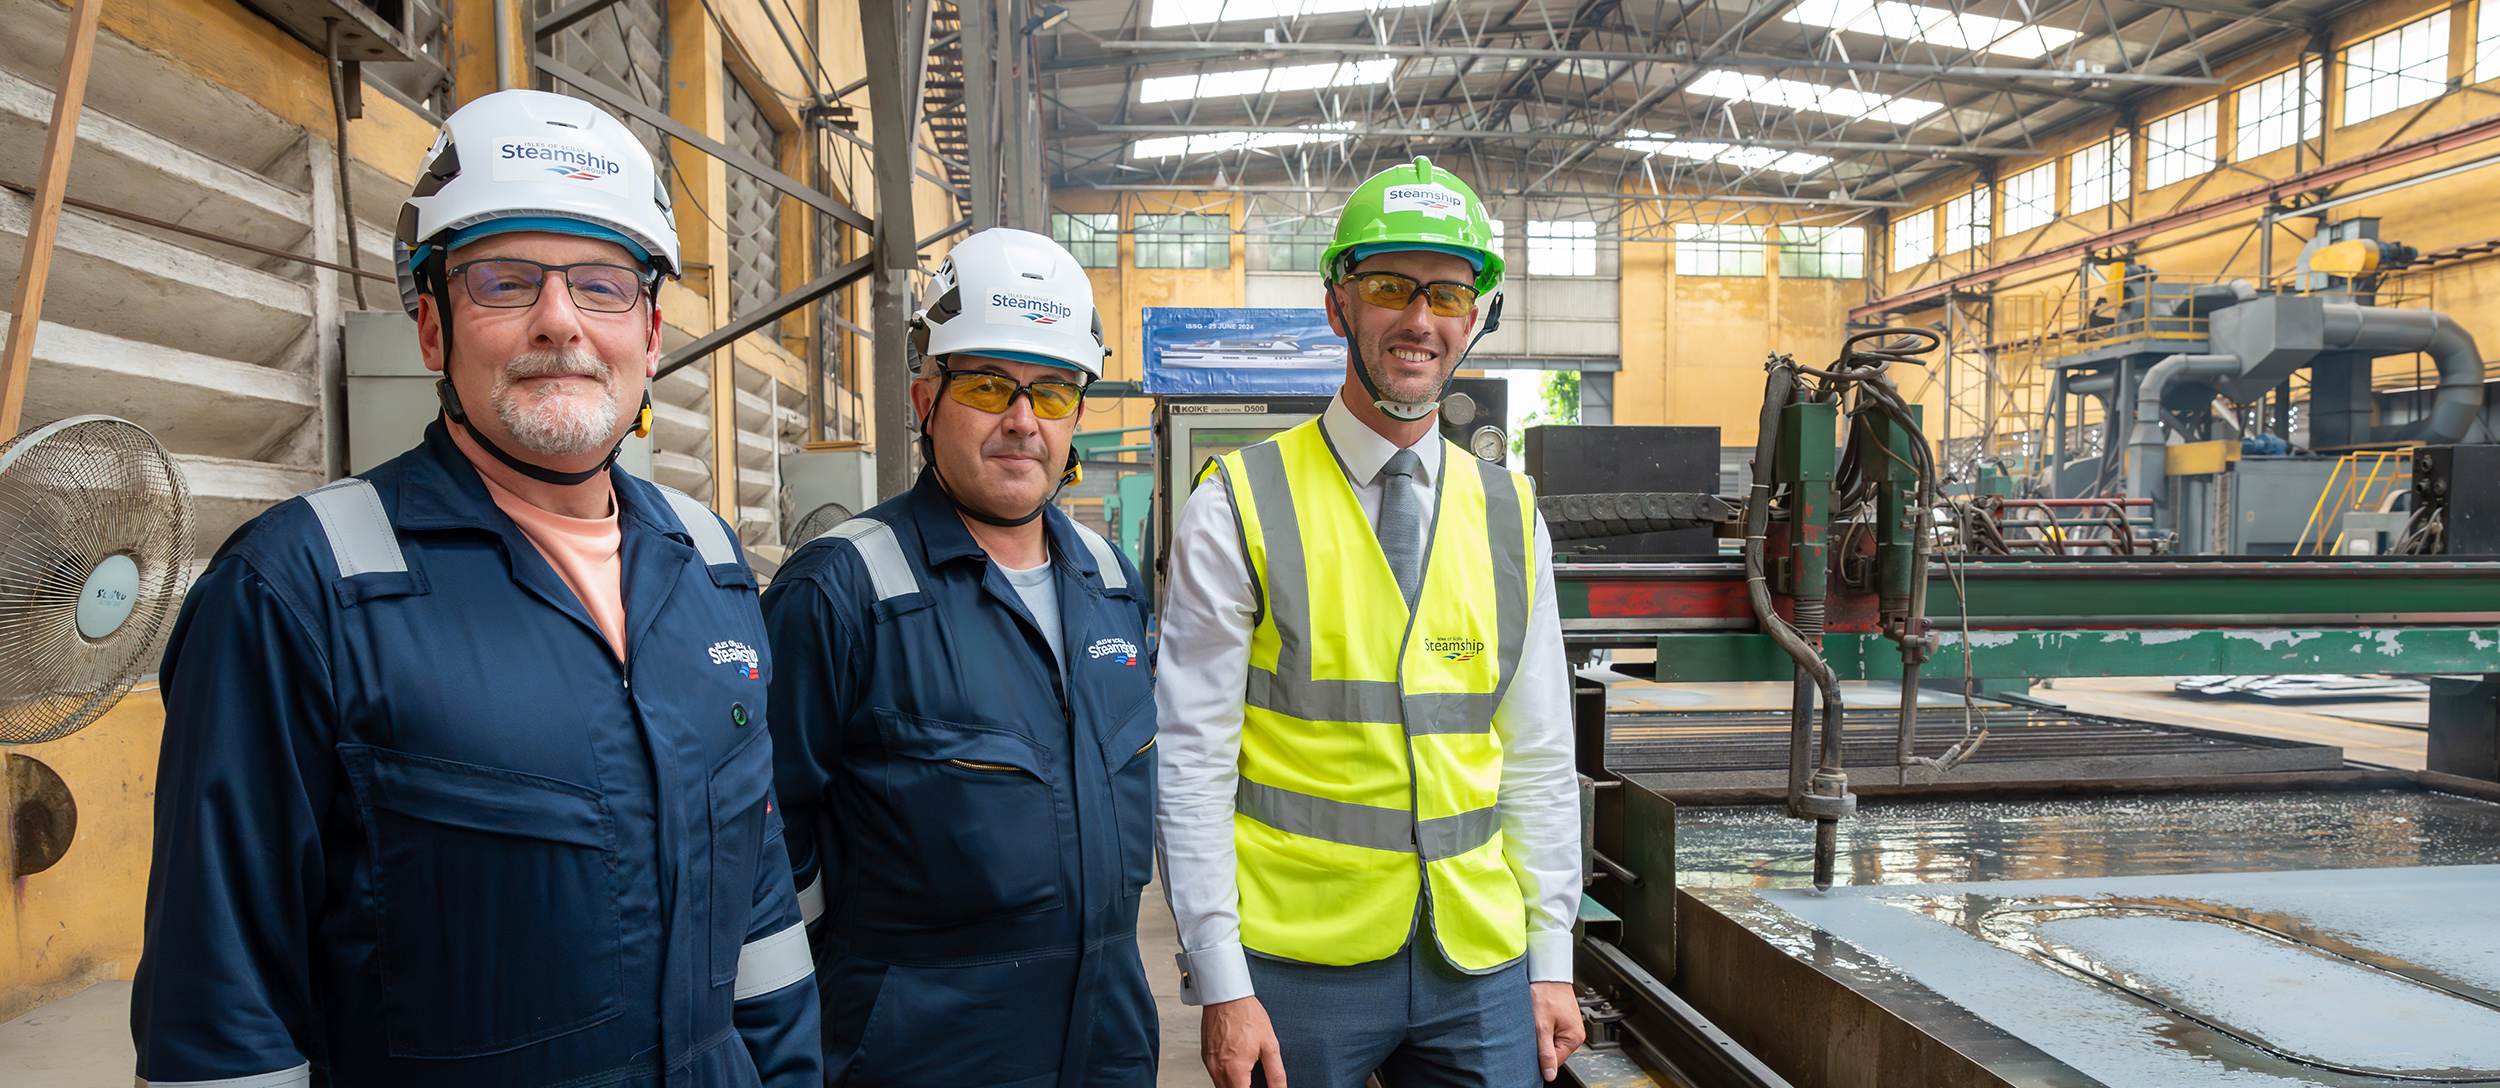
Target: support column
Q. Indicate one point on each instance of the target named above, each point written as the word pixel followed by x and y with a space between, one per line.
pixel 329 364
pixel 701 185
pixel 982 106
pixel 897 248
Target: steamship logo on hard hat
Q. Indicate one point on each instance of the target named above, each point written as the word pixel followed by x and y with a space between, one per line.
pixel 562 160
pixel 1008 309
pixel 1435 200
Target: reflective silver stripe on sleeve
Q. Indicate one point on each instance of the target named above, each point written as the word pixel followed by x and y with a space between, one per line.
pixel 888 572
pixel 773 962
pixel 710 540
pixel 812 900
pixel 359 529
pixel 1367 826
pixel 284 1078
pixel 1105 560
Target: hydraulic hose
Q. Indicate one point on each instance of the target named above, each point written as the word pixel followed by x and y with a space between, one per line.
pixel 1806 797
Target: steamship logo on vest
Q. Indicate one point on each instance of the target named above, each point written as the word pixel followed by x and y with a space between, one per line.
pixel 1454 649
pixel 1035 311
pixel 739 655
pixel 563 161
pixel 1120 648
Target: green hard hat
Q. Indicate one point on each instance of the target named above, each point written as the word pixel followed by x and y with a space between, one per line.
pixel 1415 206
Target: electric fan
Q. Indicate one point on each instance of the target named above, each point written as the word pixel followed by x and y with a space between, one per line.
pixel 817 522
pixel 95 545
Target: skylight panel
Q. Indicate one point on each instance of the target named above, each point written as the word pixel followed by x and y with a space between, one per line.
pixel 1255 81
pixel 1790 94
pixel 1932 26
pixel 1187 12
pixel 1743 158
pixel 1217 143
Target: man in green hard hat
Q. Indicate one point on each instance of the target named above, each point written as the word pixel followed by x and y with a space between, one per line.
pixel 1369 815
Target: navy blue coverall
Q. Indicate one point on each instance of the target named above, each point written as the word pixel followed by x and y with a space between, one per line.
pixel 417 825
pixel 978 828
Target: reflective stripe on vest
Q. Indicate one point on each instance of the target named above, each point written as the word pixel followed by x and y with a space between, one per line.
pixel 361 540
pixel 1369 767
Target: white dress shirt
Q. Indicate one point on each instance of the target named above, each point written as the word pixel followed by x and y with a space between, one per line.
pixel 1204 671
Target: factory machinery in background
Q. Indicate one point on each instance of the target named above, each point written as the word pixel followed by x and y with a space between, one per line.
pixel 1746 852
pixel 2153 357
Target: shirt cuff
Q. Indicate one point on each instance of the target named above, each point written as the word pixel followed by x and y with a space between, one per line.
pixel 1212 976
pixel 1549 956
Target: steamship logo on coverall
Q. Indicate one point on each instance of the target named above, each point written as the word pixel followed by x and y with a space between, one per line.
pixel 1120 648
pixel 739 654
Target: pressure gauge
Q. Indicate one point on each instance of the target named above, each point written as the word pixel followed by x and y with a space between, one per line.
pixel 1490 444
pixel 1458 409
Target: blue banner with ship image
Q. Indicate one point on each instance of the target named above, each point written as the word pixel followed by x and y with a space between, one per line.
pixel 1196 351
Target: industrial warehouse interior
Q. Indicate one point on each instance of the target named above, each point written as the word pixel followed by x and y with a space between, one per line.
pixel 2022 477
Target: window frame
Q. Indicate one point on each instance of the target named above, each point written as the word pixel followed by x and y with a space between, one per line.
pixel 2116 180
pixel 1103 229
pixel 2307 79
pixel 1148 234
pixel 1720 249
pixel 1837 262
pixel 2383 91
pixel 2044 204
pixel 2190 153
pixel 1968 222
pixel 1578 248
pixel 1912 248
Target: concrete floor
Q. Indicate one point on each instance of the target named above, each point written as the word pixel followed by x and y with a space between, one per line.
pixel 2151 698
pixel 83 1041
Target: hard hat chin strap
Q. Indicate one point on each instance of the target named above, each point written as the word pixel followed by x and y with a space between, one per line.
pixel 1405 410
pixel 450 398
pixel 928 452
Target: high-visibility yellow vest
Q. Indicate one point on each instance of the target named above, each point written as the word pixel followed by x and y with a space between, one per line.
pixel 1368 760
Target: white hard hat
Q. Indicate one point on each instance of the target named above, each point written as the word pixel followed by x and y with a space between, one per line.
pixel 529 160
pixel 1016 295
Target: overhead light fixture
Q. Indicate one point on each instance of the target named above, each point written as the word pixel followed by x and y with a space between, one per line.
pixel 1051 16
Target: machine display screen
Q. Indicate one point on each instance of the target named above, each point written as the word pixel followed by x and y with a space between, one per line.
pixel 1208 443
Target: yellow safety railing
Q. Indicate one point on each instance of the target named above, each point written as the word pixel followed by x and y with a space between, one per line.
pixel 2361 492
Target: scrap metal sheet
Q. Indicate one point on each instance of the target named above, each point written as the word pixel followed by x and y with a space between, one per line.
pixel 2342 977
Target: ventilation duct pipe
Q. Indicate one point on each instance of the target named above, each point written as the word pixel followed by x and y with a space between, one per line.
pixel 2379 331
pixel 2147 451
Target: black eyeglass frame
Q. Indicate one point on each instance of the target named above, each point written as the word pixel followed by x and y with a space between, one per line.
pixel 647 282
pixel 947 376
pixel 1421 287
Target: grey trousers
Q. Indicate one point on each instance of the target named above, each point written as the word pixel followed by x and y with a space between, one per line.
pixel 1417 1020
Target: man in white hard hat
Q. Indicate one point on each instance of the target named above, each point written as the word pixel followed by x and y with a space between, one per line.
pixel 964 715
pixel 466 778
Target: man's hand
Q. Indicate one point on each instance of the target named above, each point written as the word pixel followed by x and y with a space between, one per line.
pixel 1235 1037
pixel 1558 1027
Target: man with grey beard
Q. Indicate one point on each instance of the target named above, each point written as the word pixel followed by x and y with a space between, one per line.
pixel 466 776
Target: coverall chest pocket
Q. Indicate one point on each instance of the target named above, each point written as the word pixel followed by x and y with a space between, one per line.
pixel 1131 752
pixel 739 790
pixel 499 919
pixel 974 822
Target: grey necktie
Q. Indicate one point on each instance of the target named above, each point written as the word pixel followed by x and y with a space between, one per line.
pixel 1401 523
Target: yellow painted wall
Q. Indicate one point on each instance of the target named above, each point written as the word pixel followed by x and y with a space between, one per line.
pixel 1122 293
pixel 78 922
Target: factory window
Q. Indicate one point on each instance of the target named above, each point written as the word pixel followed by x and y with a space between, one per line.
pixel 1184 241
pixel 2180 146
pixel 2487 42
pixel 1562 247
pixel 2283 108
pixel 754 206
pixel 1966 221
pixel 1294 243
pixel 1823 253
pixel 2031 198
pixel 2100 175
pixel 1702 249
pixel 1913 239
pixel 2397 69
pixel 1093 238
